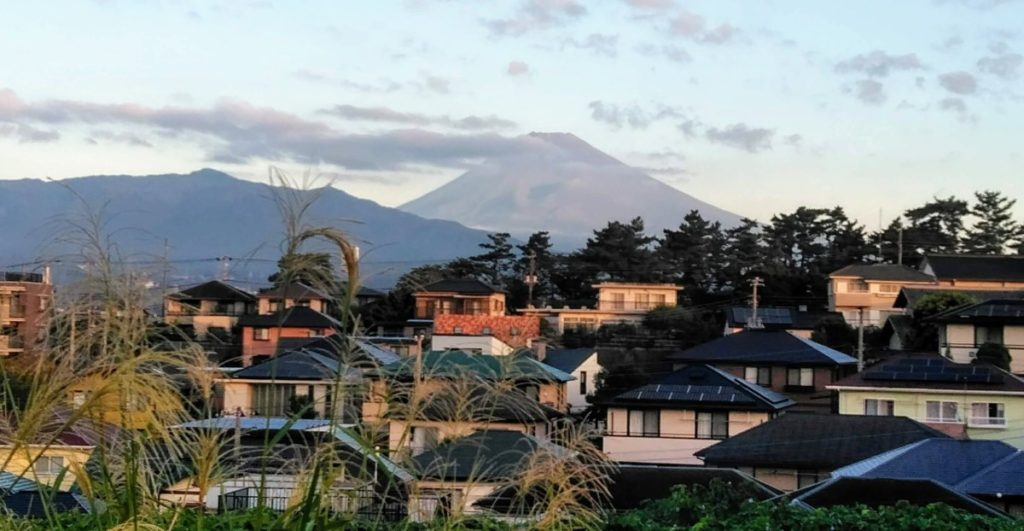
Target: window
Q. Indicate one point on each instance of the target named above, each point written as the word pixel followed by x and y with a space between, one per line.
pixel 889 289
pixel 642 300
pixel 857 286
pixel 712 425
pixel 987 414
pixel 657 300
pixel 758 375
pixel 48 466
pixel 583 383
pixel 315 332
pixel 302 303
pixel 988 334
pixel 272 400
pixel 800 377
pixel 936 411
pixel 261 334
pixel 456 330
pixel 276 306
pixel 644 423
pixel 618 301
pixel 876 407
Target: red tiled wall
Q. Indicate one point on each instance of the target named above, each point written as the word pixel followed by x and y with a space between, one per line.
pixel 501 326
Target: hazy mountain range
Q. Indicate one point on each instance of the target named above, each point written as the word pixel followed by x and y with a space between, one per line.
pixel 564 186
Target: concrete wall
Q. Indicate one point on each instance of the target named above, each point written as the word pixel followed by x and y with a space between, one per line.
pixel 488 345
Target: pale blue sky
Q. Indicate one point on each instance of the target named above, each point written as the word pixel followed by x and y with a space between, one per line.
pixel 754 106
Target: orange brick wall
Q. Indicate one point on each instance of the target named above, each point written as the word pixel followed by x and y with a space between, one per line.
pixel 501 326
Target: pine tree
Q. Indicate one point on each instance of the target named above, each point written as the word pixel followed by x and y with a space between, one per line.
pixel 995 229
pixel 498 260
pixel 692 254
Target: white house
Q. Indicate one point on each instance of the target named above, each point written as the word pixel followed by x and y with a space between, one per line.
pixel 583 364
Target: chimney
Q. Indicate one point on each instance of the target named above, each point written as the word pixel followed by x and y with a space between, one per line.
pixel 540 349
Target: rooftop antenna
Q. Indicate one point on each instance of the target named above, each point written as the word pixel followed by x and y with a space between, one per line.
pixel 531 279
pixel 755 321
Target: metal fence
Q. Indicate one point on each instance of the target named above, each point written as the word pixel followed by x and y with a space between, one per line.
pixel 361 504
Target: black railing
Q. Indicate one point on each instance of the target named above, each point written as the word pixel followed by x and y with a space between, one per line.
pixel 362 504
pixel 11 276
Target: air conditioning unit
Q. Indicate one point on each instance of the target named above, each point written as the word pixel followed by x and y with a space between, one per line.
pixel 973 353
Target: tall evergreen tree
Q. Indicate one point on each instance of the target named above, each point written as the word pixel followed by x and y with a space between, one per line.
pixel 745 253
pixel 538 245
pixel 692 254
pixel 937 226
pixel 619 252
pixel 994 229
pixel 498 259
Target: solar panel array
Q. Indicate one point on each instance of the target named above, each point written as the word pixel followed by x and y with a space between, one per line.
pixel 687 393
pixel 995 309
pixel 936 370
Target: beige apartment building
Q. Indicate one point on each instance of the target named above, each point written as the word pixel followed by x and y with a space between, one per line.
pixel 871 288
pixel 993 272
pixel 617 302
pixel 24 301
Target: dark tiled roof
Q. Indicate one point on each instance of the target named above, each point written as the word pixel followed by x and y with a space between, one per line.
pixel 468 286
pixel 297 291
pixel 485 456
pixel 932 371
pixel 879 492
pixel 951 462
pixel 294 317
pixel 568 360
pixel 997 311
pixel 901 325
pixel 909 296
pixel 778 318
pixel 815 441
pixel 1002 478
pixel 214 290
pixel 362 352
pixel 457 364
pixel 296 365
pixel 704 386
pixel 975 267
pixel 764 347
pixel 487 406
pixel 892 272
pixel 31 504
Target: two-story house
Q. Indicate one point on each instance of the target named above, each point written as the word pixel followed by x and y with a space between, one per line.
pixel 297 294
pixel 962 400
pixel 470 315
pixel 210 305
pixel 963 330
pixel 794 366
pixel 617 303
pixel 994 272
pixel 583 365
pixel 864 293
pixel 799 320
pixel 262 335
pixel 671 420
pixel 458 297
pixel 24 302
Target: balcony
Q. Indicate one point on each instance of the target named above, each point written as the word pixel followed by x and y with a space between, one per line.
pixel 986 422
pixel 11 343
pixel 628 306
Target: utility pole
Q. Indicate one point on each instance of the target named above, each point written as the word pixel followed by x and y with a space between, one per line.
pixel 899 247
pixel 860 339
pixel 755 321
pixel 225 265
pixel 531 279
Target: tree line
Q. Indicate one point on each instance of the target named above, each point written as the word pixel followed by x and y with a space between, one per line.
pixel 793 252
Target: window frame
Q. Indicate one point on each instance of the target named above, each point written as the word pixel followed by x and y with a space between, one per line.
pixel 261 333
pixel 800 371
pixel 712 424
pixel 583 383
pixel 758 370
pixel 1000 409
pixel 879 401
pixel 646 415
pixel 941 419
pixel 48 468
pixel 988 334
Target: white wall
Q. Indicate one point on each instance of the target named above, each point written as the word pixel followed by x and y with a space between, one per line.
pixel 576 400
pixel 489 345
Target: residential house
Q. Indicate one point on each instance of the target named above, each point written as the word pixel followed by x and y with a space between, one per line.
pixel 669 421
pixel 990 471
pixel 797 449
pixel 617 303
pixel 212 305
pixel 798 320
pixel 495 335
pixel 963 330
pixel 583 365
pixel 39 504
pixel 965 401
pixel 262 335
pixel 864 293
pixel 364 483
pixel 994 272
pixel 898 329
pixel 453 476
pixel 297 294
pixel 886 492
pixel 49 457
pixel 458 297
pixel 440 395
pixel 777 360
pixel 24 302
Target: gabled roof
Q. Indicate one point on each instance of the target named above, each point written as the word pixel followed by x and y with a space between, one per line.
pixel 464 286
pixel 764 347
pixel 890 272
pixel 931 371
pixel 879 492
pixel 457 363
pixel 295 290
pixel 975 267
pixel 14 483
pixel 568 359
pixel 707 387
pixel 214 290
pixel 996 311
pixel 782 318
pixel 961 461
pixel 296 365
pixel 816 441
pixel 333 346
pixel 33 504
pixel 485 456
pixel 480 406
pixel 294 317
pixel 900 324
pixel 909 295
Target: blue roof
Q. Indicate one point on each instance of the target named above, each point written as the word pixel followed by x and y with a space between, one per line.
pixel 255 423
pixel 764 347
pixel 971 466
pixel 13 483
pixel 569 359
pixel 705 385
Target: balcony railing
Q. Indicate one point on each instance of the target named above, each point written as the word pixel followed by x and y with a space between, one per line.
pixel 986 422
pixel 362 503
pixel 11 276
pixel 971 346
pixel 613 305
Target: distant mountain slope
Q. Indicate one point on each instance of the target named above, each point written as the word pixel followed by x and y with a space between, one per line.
pixel 208 214
pixel 564 186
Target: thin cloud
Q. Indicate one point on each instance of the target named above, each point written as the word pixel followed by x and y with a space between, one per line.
pixel 1005 65
pixel 650 5
pixel 742 136
pixel 535 15
pixel 599 43
pixel 879 64
pixel 517 68
pixel 388 115
pixel 26 134
pixel 961 82
pixel 869 91
pixel 692 26
pixel 311 76
pixel 632 116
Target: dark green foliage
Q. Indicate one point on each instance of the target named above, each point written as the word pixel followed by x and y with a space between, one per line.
pixel 619 252
pixel 497 260
pixel 994 354
pixel 925 335
pixel 995 229
pixel 692 255
pixel 301 406
pixel 687 326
